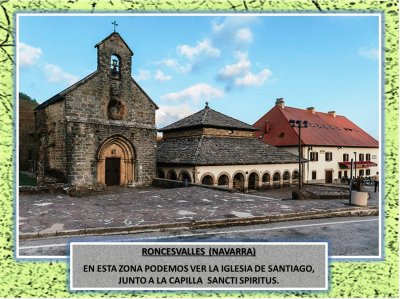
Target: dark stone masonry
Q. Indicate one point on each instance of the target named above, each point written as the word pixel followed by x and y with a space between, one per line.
pixel 101 130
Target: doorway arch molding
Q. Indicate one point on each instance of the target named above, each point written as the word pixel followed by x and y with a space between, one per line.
pixel 117 146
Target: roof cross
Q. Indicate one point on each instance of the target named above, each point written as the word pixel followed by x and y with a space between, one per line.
pixel 115 24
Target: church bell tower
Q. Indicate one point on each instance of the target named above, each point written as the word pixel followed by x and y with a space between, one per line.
pixel 114 63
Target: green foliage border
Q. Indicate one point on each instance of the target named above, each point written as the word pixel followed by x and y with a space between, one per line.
pixel 378 279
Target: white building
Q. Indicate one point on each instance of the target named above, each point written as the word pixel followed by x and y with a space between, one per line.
pixel 329 142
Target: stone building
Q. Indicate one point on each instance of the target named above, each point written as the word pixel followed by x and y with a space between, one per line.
pixel 102 128
pixel 211 148
pixel 328 143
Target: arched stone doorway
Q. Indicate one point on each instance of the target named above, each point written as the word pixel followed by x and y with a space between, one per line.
pixel 223 181
pixel 238 182
pixel 266 181
pixel 116 157
pixel 185 176
pixel 253 181
pixel 277 180
pixel 207 180
pixel 286 179
pixel 171 175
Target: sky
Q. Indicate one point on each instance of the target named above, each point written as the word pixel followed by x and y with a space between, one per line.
pixel 240 64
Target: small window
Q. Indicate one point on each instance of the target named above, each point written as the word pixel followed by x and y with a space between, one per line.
pixel 368 172
pixel 314 156
pixel 361 157
pixel 328 156
pixel 345 157
pixel 361 172
pixel 314 175
pixel 339 174
pixel 345 173
pixel 113 151
pixel 368 157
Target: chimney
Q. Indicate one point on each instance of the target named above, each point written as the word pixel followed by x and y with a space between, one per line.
pixel 280 102
pixel 312 109
pixel 332 113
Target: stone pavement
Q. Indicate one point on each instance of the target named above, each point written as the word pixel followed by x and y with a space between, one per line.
pixel 129 210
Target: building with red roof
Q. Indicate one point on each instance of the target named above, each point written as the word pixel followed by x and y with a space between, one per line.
pixel 329 142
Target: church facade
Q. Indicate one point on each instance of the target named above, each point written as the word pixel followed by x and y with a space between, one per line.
pixel 101 129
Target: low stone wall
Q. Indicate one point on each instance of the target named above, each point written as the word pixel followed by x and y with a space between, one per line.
pixel 165 183
pixel 304 194
pixel 51 188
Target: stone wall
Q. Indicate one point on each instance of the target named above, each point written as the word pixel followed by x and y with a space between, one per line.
pixel 74 129
pixel 50 129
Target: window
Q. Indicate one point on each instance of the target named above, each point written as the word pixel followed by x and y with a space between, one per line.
pixel 115 65
pixel 339 174
pixel 345 157
pixel 328 156
pixel 313 156
pixel 361 157
pixel 368 172
pixel 314 175
pixel 361 172
pixel 368 157
pixel 345 173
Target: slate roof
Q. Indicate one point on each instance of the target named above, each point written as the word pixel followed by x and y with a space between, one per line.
pixel 208 118
pixel 212 150
pixel 323 129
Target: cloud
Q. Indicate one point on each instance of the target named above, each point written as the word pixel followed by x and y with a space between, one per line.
pixel 196 93
pixel 169 62
pixel 251 79
pixel 241 67
pixel 143 75
pixel 371 53
pixel 240 74
pixel 244 35
pixel 166 115
pixel 160 76
pixel 203 48
pixel 173 64
pixel 233 29
pixel 56 75
pixel 28 55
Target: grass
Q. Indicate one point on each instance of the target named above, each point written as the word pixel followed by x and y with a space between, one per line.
pixel 26 180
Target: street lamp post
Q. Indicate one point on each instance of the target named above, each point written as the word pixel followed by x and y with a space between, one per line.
pixel 299 124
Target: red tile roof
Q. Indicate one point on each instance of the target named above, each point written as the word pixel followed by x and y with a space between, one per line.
pixel 324 129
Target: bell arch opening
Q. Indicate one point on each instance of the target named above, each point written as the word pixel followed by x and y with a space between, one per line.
pixel 116 162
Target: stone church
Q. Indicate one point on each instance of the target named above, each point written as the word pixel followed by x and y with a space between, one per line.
pixel 101 129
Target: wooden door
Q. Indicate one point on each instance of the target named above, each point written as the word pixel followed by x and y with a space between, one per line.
pixel 112 171
pixel 328 176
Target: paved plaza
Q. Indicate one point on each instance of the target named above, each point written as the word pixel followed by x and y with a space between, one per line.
pixel 127 210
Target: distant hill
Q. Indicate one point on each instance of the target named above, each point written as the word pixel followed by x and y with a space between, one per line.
pixel 27 151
